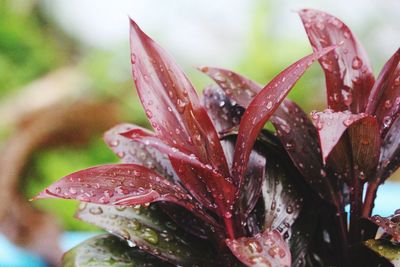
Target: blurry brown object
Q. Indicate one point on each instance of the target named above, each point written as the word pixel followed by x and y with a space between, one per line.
pixel 64 120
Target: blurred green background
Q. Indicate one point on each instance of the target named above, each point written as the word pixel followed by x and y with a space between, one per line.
pixel 42 42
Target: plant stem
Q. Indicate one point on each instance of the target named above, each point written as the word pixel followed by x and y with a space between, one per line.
pixel 370 198
pixel 355 209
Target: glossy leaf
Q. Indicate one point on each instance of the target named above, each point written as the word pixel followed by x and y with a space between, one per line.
pixel 390 225
pixel 384 101
pixel 121 184
pixel 385 249
pixel 282 201
pixel 226 115
pixel 133 152
pixel 299 137
pixel 264 249
pixel 150 231
pixel 235 86
pixel 390 152
pixel 349 76
pixel 221 188
pixel 171 103
pixel 262 108
pixel 106 251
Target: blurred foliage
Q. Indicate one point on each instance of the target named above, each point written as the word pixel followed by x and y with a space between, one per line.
pixel 49 165
pixel 28 46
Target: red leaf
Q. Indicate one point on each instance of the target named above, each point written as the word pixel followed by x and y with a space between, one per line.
pixel 226 115
pixel 220 187
pixel 120 184
pixel 362 146
pixel 134 152
pixel 171 103
pixel 236 86
pixel 349 77
pixel 384 101
pixel 331 126
pixel 266 249
pixel 390 225
pixel 389 160
pixel 299 137
pixel 263 106
pixel 282 200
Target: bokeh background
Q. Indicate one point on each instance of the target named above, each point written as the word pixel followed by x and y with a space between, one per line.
pixel 65 78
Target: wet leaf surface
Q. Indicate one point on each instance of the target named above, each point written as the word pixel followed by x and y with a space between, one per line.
pixel 390 225
pixel 121 184
pixel 173 108
pixel 384 100
pixel 264 249
pixel 385 249
pixel 390 152
pixel 282 201
pixel 348 74
pixel 151 231
pixel 262 108
pixel 133 152
pixel 107 251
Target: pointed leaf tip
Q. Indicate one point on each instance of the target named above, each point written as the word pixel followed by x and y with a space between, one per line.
pixel 348 74
pixel 263 106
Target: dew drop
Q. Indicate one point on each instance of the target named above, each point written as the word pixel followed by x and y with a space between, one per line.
pixel 269 105
pixel 133 58
pixel 96 210
pixel 150 236
pixel 357 63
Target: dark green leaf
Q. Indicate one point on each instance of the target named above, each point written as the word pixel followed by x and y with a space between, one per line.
pixel 385 249
pixel 106 251
pixel 149 230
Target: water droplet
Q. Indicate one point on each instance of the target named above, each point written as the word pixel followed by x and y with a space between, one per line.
pixel 133 58
pixel 58 190
pixel 150 236
pixel 269 105
pixel 357 63
pixel 386 121
pixel 181 104
pixel 388 104
pixel 72 190
pixel 96 210
pixel 228 215
pixel 397 81
pixel 289 209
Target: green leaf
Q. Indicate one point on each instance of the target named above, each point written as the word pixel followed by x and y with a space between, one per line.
pixel 385 249
pixel 108 250
pixel 151 231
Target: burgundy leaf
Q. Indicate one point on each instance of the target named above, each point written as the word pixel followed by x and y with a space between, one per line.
pixel 299 137
pixel 362 145
pixel 134 152
pixel 143 155
pixel 226 115
pixel 384 101
pixel 331 126
pixel 390 152
pixel 222 189
pixel 264 249
pixel 349 77
pixel 151 231
pixel 365 146
pixel 390 225
pixel 236 86
pixel 121 184
pixel 171 103
pixel 282 201
pixel 263 106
